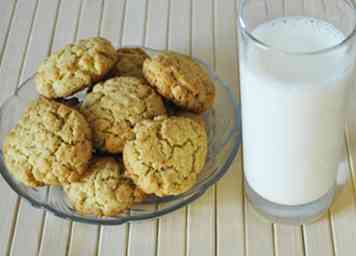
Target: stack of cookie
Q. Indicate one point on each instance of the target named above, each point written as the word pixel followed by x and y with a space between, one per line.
pixel 119 144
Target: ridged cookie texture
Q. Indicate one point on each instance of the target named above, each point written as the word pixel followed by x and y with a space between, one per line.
pixel 115 106
pixel 75 67
pixel 130 62
pixel 166 155
pixel 51 145
pixel 181 80
pixel 104 191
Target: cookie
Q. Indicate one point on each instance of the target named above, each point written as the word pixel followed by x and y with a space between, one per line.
pixel 130 62
pixel 115 106
pixel 104 191
pixel 181 80
pixel 75 67
pixel 166 155
pixel 51 145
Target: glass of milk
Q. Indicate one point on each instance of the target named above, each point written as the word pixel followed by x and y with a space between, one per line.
pixel 296 70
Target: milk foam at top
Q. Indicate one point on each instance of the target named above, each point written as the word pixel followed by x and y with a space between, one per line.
pixel 293 109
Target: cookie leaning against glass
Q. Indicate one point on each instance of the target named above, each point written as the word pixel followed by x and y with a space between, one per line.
pixel 75 67
pixel 50 145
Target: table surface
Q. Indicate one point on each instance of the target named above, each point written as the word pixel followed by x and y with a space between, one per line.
pixel 221 222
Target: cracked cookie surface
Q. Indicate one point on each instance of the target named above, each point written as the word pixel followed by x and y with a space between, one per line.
pixel 115 106
pixel 181 80
pixel 104 191
pixel 195 117
pixel 51 144
pixel 166 155
pixel 75 67
pixel 130 62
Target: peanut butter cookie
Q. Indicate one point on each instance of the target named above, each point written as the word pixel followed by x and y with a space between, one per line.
pixel 104 191
pixel 51 145
pixel 166 155
pixel 130 62
pixel 178 78
pixel 115 106
pixel 75 67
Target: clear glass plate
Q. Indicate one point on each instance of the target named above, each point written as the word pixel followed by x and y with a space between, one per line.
pixel 223 124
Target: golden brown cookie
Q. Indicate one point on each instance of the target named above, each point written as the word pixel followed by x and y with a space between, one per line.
pixel 104 191
pixel 130 62
pixel 115 106
pixel 166 155
pixel 178 78
pixel 75 67
pixel 51 145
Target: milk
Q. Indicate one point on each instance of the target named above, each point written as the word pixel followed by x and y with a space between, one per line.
pixel 293 109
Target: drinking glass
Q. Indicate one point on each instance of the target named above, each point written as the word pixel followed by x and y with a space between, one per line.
pixel 296 67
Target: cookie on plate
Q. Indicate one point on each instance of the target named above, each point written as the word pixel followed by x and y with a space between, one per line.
pixel 104 191
pixel 115 106
pixel 75 67
pixel 166 155
pixel 130 62
pixel 51 145
pixel 181 80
